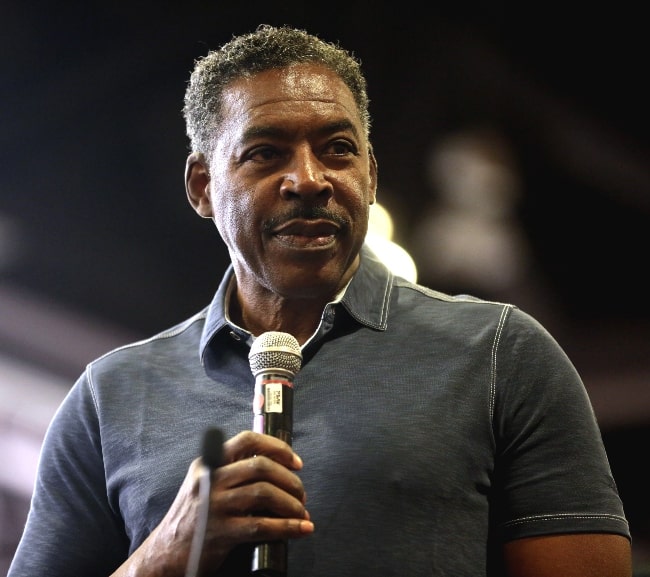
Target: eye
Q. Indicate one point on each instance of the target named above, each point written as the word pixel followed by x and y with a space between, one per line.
pixel 262 154
pixel 340 148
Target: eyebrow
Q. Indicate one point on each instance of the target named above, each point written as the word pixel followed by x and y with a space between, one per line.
pixel 280 132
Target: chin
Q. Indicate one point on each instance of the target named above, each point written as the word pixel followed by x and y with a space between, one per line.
pixel 308 284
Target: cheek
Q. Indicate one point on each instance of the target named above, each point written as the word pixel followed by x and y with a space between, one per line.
pixel 234 214
pixel 360 205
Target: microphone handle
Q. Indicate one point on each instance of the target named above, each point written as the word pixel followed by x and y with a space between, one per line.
pixel 273 416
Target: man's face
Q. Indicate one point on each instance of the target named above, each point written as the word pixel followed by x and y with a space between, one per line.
pixel 291 181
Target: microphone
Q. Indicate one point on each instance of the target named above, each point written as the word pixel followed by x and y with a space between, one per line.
pixel 275 358
pixel 212 456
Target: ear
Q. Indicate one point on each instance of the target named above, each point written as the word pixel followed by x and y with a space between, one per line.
pixel 373 175
pixel 197 184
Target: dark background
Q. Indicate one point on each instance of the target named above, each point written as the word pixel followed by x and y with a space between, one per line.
pixel 93 143
pixel 93 213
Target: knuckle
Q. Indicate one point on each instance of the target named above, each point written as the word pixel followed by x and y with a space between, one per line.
pixel 259 463
pixel 256 528
pixel 262 494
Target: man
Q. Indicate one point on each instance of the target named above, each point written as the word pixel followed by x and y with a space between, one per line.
pixel 437 435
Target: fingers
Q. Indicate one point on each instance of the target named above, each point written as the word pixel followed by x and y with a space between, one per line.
pixel 262 466
pixel 255 490
pixel 248 443
pixel 260 471
pixel 257 495
pixel 255 529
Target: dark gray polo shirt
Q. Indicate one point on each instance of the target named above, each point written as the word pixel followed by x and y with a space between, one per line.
pixel 431 428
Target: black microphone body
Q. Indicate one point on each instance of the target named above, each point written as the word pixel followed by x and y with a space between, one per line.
pixel 275 358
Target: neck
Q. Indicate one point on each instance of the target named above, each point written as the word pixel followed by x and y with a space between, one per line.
pixel 299 318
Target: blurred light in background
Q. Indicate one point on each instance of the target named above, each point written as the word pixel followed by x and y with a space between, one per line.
pixel 380 240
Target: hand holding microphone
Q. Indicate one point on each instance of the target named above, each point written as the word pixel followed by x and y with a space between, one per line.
pixel 275 358
pixel 222 504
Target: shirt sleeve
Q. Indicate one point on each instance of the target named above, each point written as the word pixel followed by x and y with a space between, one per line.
pixel 71 529
pixel 552 469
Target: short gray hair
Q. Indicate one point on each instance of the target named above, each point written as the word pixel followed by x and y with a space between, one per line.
pixel 266 48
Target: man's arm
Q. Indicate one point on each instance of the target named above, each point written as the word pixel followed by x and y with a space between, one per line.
pixel 576 555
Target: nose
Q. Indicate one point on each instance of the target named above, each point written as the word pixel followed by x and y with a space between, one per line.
pixel 306 176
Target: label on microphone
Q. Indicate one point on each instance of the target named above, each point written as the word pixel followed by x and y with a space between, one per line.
pixel 273 397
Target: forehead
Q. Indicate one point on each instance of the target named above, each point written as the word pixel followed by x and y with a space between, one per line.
pixel 300 89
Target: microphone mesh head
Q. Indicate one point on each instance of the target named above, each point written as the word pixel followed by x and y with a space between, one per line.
pixel 275 350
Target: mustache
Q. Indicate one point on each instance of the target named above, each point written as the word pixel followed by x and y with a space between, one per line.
pixel 305 213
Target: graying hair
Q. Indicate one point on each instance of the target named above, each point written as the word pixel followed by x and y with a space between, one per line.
pixel 266 48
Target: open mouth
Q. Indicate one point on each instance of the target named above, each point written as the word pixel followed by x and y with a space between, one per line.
pixel 307 233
